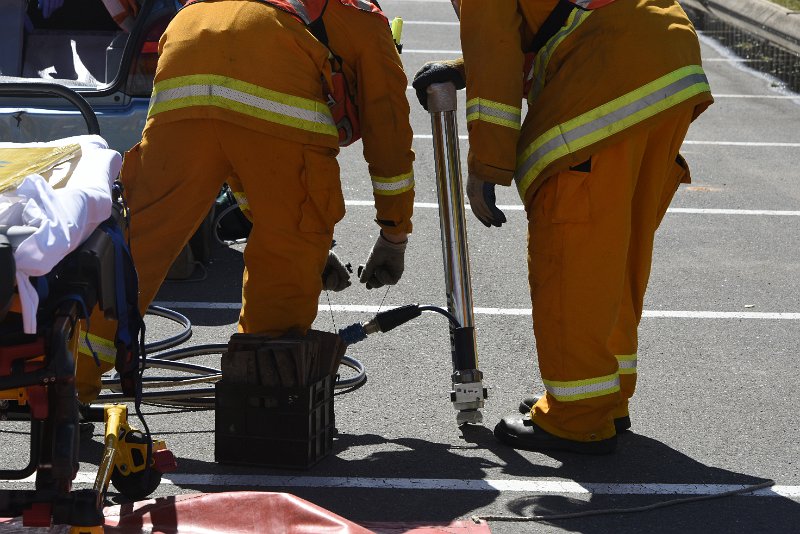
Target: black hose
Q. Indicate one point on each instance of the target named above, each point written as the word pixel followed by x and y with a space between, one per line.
pixel 444 312
pixel 175 340
pixel 188 397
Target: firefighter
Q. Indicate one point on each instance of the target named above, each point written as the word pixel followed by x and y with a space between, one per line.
pixel 612 87
pixel 242 93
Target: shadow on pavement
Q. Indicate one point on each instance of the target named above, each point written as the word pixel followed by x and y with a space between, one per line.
pixel 639 460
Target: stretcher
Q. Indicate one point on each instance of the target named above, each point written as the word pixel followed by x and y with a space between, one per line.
pixel 61 255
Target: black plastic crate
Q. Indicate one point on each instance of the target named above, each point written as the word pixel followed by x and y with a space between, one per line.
pixel 273 427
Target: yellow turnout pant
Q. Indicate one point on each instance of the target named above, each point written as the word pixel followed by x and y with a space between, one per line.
pixel 171 180
pixel 590 245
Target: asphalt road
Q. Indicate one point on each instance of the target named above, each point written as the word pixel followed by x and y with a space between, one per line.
pixel 716 407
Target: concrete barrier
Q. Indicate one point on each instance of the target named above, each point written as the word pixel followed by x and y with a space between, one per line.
pixel 762 18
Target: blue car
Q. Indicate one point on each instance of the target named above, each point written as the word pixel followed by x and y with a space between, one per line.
pixel 81 47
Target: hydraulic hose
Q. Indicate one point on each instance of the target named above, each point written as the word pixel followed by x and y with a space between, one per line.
pixel 173 390
pixel 175 340
pixel 389 319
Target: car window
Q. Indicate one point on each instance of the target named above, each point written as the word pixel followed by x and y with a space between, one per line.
pixel 80 43
pixel 84 48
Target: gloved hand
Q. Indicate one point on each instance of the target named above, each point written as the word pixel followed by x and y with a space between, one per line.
pixel 385 264
pixel 48 7
pixel 336 275
pixel 450 70
pixel 483 202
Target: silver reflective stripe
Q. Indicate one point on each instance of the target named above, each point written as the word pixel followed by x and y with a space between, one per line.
pixel 627 364
pixel 493 112
pixel 103 348
pixel 393 185
pixel 582 389
pixel 241 97
pixel 607 120
pixel 582 3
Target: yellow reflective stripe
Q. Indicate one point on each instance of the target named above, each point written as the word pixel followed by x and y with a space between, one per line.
pixel 241 200
pixel 481 109
pixel 539 67
pixel 393 185
pixel 242 97
pixel 582 389
pixel 627 364
pixel 607 120
pixel 104 348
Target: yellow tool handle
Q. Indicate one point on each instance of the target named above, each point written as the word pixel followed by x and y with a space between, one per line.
pixel 397 30
pixel 115 416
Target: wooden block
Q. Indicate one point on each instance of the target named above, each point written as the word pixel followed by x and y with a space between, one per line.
pixel 285 362
pixel 266 372
pixel 239 366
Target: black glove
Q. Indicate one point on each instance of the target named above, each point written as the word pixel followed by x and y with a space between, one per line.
pixel 451 70
pixel 482 200
pixel 385 264
pixel 336 275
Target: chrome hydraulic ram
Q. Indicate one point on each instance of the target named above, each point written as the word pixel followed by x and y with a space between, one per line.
pixel 468 393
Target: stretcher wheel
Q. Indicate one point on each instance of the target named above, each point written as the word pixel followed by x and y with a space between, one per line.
pixel 136 486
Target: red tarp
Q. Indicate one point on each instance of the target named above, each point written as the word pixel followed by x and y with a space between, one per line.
pixel 252 512
pixel 245 512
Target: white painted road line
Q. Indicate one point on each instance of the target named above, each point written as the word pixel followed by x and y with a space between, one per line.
pixel 442 52
pixel 359 308
pixel 742 143
pixel 717 143
pixel 776 97
pixel 429 23
pixel 541 487
pixel 729 60
pixel 697 211
pixel 460 53
pixel 705 211
pixel 770 97
pixel 527 312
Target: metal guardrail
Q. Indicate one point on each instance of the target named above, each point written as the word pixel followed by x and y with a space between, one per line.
pixel 759 53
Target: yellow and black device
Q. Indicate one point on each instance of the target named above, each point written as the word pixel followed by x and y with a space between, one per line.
pixel 125 457
pixel 38 358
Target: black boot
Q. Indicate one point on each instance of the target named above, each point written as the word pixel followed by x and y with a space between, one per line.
pixel 520 432
pixel 621 424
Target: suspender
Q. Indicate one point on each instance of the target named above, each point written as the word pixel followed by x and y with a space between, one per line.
pixel 552 24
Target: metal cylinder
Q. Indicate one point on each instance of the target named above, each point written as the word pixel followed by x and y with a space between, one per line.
pixel 442 107
pixel 468 392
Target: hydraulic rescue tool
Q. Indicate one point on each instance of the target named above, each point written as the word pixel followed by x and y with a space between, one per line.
pixel 468 393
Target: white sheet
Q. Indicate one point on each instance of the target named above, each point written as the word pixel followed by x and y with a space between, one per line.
pixel 64 217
